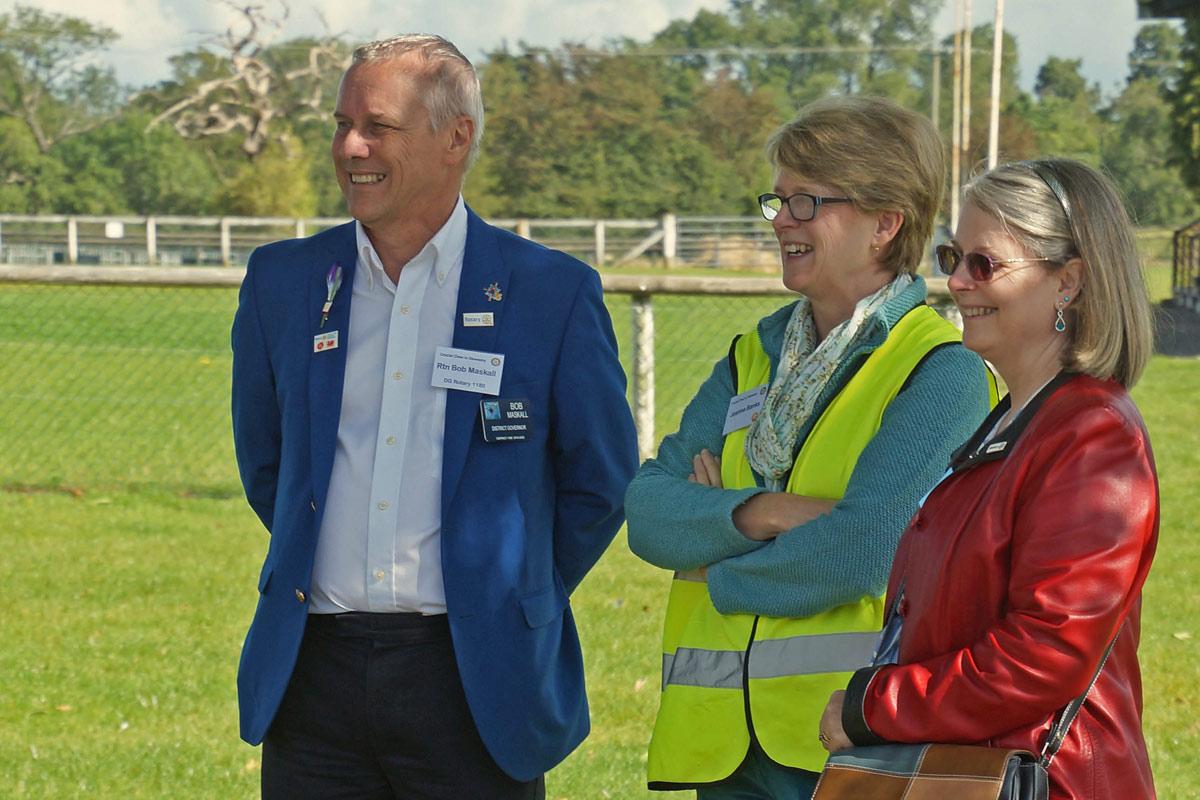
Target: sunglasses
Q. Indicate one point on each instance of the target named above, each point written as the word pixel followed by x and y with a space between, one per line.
pixel 980 266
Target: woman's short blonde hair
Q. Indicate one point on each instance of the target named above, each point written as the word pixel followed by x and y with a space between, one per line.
pixel 882 156
pixel 1062 209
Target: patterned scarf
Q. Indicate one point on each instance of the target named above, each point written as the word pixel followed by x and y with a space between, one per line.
pixel 804 370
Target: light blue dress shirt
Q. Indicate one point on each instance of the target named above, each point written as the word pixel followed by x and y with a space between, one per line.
pixel 379 547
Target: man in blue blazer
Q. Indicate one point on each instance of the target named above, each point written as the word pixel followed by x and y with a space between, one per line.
pixel 430 420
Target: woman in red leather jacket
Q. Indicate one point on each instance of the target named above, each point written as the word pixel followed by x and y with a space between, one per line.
pixel 1029 557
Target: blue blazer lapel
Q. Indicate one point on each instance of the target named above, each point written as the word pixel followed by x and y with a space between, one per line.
pixel 482 267
pixel 327 369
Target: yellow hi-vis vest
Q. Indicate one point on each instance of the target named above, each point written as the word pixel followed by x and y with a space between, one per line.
pixel 727 674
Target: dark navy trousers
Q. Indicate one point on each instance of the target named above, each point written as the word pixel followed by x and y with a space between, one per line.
pixel 375 709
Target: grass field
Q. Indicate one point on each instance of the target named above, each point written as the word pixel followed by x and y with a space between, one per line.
pixel 129 565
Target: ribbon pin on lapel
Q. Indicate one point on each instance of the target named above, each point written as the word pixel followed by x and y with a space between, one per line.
pixel 333 282
pixel 493 293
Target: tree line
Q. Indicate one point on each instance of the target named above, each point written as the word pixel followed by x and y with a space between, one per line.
pixel 632 129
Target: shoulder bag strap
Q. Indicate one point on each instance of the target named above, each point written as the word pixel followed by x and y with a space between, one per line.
pixel 1058 731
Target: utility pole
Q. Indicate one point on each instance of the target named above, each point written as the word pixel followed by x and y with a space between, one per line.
pixel 936 82
pixel 994 119
pixel 966 90
pixel 956 116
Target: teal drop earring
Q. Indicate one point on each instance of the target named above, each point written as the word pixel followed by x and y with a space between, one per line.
pixel 1060 324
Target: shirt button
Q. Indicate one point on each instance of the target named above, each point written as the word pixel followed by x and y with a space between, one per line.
pixel 300 595
pixel 379 574
pixel 390 440
pixel 383 506
pixel 405 309
pixel 398 375
pixel 441 276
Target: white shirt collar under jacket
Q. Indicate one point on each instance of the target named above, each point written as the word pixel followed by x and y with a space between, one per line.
pixel 448 243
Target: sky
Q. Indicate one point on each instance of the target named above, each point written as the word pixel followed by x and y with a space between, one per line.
pixel 1100 32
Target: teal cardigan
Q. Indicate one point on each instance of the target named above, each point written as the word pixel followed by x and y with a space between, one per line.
pixel 838 557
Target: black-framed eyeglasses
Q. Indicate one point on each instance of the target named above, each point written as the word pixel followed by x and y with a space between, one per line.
pixel 980 266
pixel 801 205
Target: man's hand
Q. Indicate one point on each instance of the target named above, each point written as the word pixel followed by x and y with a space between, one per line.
pixel 833 737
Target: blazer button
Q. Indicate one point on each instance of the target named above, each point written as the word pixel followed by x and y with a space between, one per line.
pixel 312 504
pixel 300 595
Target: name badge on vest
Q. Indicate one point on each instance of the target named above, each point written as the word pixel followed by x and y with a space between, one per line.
pixel 505 420
pixel 744 408
pixel 467 370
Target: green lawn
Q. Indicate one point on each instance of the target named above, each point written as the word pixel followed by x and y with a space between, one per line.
pixel 129 564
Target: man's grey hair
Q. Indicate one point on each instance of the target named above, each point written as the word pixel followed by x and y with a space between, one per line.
pixel 451 85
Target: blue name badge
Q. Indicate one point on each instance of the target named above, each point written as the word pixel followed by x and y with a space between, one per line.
pixel 505 420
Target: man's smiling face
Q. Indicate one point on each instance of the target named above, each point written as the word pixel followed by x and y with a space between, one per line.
pixel 389 162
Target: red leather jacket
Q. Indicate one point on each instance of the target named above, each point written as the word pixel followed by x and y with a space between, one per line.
pixel 1017 572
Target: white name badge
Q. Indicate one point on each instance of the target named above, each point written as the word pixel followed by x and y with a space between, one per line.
pixel 482 319
pixel 467 370
pixel 325 341
pixel 744 408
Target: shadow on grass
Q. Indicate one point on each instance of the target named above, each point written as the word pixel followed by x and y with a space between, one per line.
pixel 185 490
pixel 1176 330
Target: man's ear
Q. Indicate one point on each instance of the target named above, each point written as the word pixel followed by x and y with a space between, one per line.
pixel 462 133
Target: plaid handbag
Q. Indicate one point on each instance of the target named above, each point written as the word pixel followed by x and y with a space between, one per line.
pixel 936 771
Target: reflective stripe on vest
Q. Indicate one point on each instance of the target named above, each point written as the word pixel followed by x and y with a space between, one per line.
pixel 772 658
pixel 701 734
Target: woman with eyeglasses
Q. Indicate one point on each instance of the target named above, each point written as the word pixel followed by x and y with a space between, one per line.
pixel 1027 560
pixel 779 501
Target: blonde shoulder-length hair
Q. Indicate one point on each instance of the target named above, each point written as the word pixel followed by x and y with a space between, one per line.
pixel 882 156
pixel 1062 209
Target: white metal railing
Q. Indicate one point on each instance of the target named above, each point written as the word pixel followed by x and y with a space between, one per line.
pixel 227 241
pixel 176 241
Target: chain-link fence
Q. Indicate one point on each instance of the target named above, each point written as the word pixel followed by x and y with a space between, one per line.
pixel 115 385
pixel 120 385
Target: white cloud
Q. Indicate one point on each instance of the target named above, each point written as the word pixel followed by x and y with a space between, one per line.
pixel 152 30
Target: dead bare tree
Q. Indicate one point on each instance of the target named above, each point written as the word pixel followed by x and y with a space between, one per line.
pixel 257 88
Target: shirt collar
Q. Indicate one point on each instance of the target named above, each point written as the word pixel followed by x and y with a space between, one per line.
pixel 446 246
pixel 973 452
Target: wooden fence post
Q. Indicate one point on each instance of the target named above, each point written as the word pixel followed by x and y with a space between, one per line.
pixel 72 240
pixel 226 242
pixel 151 240
pixel 670 226
pixel 643 372
pixel 600 255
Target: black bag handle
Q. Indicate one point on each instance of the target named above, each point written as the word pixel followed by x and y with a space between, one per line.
pixel 1058 731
